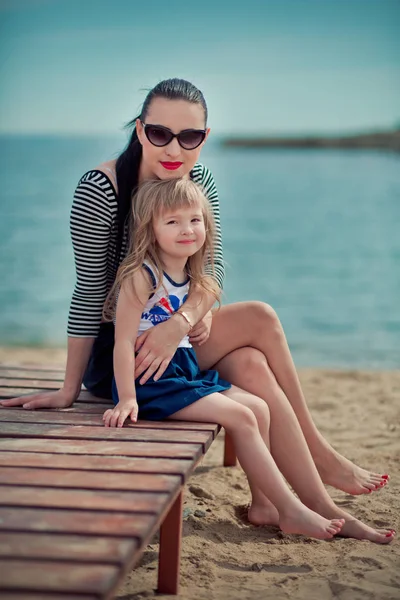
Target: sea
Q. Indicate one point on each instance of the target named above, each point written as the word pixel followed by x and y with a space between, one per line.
pixel 314 233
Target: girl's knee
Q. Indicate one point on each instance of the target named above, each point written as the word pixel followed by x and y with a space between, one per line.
pixel 261 411
pixel 241 418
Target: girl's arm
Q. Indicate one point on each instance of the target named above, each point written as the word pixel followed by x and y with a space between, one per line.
pixel 129 310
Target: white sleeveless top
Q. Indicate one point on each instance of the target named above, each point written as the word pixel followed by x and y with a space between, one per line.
pixel 163 303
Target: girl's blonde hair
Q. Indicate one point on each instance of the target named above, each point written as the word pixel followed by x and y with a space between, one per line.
pixel 153 198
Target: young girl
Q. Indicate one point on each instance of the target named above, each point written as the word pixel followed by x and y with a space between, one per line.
pixel 172 233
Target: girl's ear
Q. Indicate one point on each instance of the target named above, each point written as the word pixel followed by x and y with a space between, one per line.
pixel 139 130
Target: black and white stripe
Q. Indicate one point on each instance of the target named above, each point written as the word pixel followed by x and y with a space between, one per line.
pixel 94 233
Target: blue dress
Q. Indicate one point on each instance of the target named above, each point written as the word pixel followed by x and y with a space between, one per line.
pixel 182 383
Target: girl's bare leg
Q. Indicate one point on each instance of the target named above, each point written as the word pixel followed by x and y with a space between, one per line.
pixel 257 462
pixel 293 458
pixel 261 511
pixel 256 325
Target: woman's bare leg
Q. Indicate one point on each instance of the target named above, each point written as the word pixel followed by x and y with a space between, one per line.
pixel 258 464
pixel 292 457
pixel 256 325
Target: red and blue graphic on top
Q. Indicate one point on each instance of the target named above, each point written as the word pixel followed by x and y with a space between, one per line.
pixel 164 308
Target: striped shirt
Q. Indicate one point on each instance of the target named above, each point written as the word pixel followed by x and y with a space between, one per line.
pixel 94 226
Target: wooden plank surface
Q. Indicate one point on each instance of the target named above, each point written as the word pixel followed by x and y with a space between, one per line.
pixel 126 464
pixel 50 497
pixel 44 384
pixel 49 576
pixel 82 548
pixel 129 433
pixel 27 595
pixel 27 367
pixel 88 480
pixel 70 417
pixel 84 396
pixel 79 501
pixel 77 522
pixel 112 448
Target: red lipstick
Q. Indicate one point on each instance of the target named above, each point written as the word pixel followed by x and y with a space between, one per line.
pixel 171 166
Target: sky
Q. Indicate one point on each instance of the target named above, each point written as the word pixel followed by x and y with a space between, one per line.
pixel 83 67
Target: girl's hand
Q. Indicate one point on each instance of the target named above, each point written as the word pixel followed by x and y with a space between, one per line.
pixel 116 417
pixel 156 347
pixel 201 332
pixel 54 399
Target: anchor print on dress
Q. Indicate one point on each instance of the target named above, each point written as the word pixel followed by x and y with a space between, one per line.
pixel 164 308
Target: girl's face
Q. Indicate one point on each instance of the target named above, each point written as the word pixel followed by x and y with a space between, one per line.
pixel 176 115
pixel 180 233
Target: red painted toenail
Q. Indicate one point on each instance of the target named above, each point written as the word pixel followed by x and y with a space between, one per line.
pixel 389 534
pixel 385 476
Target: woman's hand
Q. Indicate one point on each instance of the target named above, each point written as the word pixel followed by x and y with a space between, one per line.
pixel 116 417
pixel 156 347
pixel 54 399
pixel 201 332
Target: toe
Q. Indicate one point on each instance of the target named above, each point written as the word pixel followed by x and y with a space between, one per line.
pixel 370 486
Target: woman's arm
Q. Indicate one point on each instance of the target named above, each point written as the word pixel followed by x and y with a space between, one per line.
pixel 129 310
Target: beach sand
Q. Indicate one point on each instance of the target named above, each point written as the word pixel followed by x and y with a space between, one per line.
pixel 226 558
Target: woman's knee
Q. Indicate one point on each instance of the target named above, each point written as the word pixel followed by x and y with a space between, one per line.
pixel 254 367
pixel 265 317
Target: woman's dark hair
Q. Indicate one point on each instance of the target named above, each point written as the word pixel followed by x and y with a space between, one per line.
pixel 127 167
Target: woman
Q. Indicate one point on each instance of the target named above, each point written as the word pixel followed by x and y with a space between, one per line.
pixel 245 343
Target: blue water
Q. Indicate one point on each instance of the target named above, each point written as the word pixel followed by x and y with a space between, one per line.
pixel 314 233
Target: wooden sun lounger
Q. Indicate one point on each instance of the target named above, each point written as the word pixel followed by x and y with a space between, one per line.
pixel 79 502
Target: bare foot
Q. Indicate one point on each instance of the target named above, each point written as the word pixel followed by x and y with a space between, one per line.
pixel 360 531
pixel 354 528
pixel 263 514
pixel 342 474
pixel 307 522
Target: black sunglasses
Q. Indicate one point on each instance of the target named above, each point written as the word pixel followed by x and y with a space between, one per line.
pixel 189 139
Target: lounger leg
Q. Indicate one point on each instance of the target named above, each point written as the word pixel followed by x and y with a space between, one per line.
pixel 229 452
pixel 170 549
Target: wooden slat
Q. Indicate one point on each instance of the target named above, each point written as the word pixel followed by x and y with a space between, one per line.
pixel 43 384
pixel 69 417
pixel 50 497
pixel 76 522
pixel 84 396
pixel 47 576
pixel 96 463
pixel 88 480
pixel 66 547
pixel 128 433
pixel 7 373
pixel 95 448
pixel 27 595
pixel 32 367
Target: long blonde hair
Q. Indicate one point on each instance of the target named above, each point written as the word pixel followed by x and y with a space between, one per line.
pixel 153 198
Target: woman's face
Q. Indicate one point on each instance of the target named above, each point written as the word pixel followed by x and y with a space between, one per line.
pixel 176 115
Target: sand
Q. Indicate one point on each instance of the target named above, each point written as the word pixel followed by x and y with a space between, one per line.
pixel 226 558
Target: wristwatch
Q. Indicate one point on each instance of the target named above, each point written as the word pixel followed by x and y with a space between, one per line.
pixel 185 316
